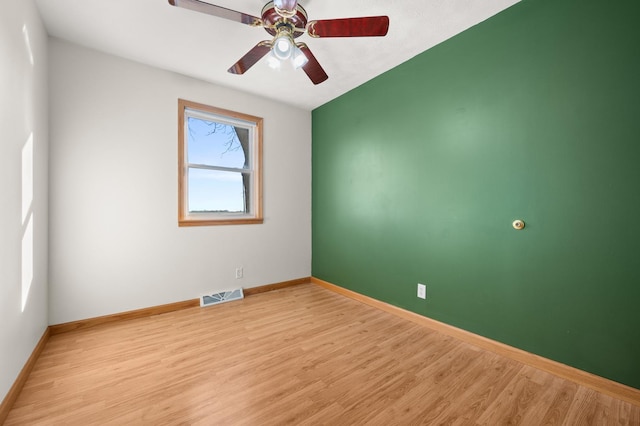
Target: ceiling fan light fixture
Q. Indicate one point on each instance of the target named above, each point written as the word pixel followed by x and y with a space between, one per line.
pixel 299 58
pixel 283 46
pixel 272 61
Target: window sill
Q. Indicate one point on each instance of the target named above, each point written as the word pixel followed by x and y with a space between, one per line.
pixel 215 222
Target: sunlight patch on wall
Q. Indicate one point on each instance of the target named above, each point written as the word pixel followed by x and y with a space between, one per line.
pixel 27 219
pixel 27 42
pixel 27 178
pixel 27 261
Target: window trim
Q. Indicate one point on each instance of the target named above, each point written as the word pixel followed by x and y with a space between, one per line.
pixel 209 219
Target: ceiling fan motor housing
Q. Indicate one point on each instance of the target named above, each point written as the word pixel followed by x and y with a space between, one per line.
pixel 274 21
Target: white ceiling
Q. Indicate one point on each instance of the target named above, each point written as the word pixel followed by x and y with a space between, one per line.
pixel 203 46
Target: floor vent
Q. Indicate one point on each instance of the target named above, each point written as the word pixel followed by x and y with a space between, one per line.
pixel 223 296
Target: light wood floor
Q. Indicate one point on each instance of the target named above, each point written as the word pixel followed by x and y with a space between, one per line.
pixel 303 356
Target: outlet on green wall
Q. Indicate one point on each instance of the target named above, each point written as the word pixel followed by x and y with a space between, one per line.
pixel 533 115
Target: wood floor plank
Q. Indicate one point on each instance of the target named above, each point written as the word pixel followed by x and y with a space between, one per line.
pixel 300 355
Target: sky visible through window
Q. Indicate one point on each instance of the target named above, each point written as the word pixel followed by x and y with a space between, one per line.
pixel 214 144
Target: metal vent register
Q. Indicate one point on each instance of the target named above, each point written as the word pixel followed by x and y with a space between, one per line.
pixel 224 296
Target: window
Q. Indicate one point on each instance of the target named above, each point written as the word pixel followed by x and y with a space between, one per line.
pixel 219 155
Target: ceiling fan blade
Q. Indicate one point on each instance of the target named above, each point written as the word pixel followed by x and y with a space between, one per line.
pixel 371 26
pixel 220 12
pixel 312 68
pixel 251 58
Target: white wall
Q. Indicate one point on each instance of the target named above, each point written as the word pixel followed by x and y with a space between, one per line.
pixel 23 186
pixel 114 243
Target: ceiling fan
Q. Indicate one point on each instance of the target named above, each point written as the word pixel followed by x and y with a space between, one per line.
pixel 286 20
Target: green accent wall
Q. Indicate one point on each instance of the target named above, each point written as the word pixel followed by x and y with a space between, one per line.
pixel 534 115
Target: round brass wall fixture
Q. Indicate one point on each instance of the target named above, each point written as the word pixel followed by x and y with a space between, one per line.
pixel 518 224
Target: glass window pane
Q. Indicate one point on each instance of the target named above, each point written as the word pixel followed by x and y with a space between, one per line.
pixel 216 144
pixel 217 191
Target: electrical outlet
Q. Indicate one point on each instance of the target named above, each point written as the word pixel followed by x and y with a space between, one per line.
pixel 239 273
pixel 422 291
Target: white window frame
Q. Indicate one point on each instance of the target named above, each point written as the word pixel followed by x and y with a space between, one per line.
pixel 254 126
